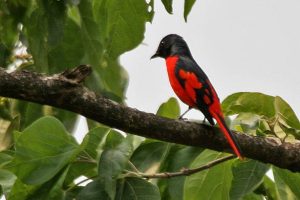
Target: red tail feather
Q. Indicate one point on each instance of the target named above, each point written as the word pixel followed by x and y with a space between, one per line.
pixel 229 136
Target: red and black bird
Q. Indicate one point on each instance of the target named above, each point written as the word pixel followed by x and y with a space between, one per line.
pixel 191 84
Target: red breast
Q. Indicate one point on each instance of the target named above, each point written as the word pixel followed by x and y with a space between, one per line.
pixel 171 63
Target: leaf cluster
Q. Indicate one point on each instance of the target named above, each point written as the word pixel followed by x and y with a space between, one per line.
pixel 46 162
pixel 263 115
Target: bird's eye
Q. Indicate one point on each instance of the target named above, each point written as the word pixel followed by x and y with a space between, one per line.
pixel 162 43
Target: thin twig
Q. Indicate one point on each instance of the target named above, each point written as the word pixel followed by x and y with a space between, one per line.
pixel 183 172
pixel 187 172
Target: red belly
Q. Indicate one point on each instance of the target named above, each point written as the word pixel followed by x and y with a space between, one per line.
pixel 178 89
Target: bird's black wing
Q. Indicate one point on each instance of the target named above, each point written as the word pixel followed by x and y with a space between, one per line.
pixel 189 74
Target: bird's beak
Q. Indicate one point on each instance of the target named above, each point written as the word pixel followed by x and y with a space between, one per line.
pixel 155 55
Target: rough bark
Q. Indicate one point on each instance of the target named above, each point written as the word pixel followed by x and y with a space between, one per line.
pixel 65 91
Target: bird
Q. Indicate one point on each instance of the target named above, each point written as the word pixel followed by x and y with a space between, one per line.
pixel 192 85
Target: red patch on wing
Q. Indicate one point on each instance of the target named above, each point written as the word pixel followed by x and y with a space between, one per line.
pixel 191 83
pixel 190 79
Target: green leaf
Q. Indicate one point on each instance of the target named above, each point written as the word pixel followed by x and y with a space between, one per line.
pixel 169 109
pixel 84 165
pixel 263 128
pixel 52 189
pixel 267 189
pixel 95 139
pixel 253 196
pixel 72 194
pixel 21 191
pixel 213 183
pixel 289 133
pixel 173 187
pixel 268 110
pixel 7 180
pixel 55 24
pixel 5 158
pixel 66 117
pixel 90 33
pixel 286 112
pixel 188 4
pixel 122 24
pixel 36 32
pixel 247 176
pixel 287 183
pixel 80 168
pixel 44 31
pixel 105 67
pixel 30 112
pixel 42 150
pixel 68 52
pixel 114 90
pixel 12 13
pixel 252 102
pixel 4 55
pixel 94 190
pixel 148 155
pixel 111 28
pixel 52 41
pixel 113 160
pixel 138 189
pixel 246 123
pixel 168 5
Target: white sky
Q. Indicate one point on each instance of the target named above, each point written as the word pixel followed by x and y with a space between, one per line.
pixel 241 45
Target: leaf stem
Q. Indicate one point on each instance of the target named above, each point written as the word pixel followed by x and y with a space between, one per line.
pixel 133 167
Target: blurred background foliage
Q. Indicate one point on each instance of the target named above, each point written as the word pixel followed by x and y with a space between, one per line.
pixel 40 159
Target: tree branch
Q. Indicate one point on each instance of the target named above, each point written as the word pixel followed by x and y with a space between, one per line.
pixel 64 91
pixel 185 171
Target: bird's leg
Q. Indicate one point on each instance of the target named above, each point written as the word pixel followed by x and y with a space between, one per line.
pixel 181 116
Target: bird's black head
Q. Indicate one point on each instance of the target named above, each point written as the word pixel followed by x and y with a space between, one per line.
pixel 172 45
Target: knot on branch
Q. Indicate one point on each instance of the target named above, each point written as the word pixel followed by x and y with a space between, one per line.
pixel 77 74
